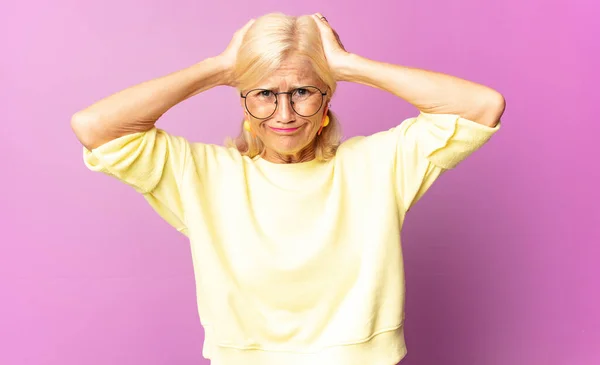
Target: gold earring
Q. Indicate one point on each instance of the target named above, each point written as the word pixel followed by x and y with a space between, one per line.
pixel 248 128
pixel 323 125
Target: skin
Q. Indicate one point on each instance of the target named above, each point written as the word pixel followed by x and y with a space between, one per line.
pixel 136 109
pixel 430 92
pixel 297 146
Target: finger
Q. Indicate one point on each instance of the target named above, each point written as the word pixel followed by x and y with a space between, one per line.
pixel 323 22
pixel 249 24
pixel 246 26
pixel 244 29
pixel 337 38
pixel 321 18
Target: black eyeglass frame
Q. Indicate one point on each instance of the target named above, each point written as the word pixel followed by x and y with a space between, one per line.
pixel 277 100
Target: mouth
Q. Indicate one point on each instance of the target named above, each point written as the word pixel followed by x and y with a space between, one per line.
pixel 284 130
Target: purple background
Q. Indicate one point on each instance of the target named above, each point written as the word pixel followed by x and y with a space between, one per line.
pixel 501 255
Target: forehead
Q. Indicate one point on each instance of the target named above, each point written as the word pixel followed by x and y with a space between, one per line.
pixel 293 72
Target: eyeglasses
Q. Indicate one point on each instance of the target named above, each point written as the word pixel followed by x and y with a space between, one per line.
pixel 306 101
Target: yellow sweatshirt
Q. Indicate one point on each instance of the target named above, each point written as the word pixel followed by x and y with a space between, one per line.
pixel 295 263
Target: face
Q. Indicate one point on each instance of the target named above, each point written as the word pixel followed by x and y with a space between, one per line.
pixel 288 136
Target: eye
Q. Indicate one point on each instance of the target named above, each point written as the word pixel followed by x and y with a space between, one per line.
pixel 302 92
pixel 266 93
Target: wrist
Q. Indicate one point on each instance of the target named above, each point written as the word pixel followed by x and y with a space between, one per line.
pixel 221 70
pixel 347 67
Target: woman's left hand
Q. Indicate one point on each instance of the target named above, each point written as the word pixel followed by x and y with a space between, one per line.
pixel 335 52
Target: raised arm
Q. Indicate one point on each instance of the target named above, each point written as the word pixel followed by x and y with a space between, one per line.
pixel 430 92
pixel 137 108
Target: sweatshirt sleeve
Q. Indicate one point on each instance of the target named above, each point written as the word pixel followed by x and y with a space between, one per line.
pixel 430 144
pixel 153 163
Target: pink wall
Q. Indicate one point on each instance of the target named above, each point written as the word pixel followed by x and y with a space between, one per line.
pixel 501 255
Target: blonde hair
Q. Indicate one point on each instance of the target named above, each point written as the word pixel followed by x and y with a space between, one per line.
pixel 269 41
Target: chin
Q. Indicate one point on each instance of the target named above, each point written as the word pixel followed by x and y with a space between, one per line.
pixel 290 148
pixel 287 150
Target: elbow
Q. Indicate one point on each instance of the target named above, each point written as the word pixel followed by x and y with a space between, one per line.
pixel 78 120
pixel 499 104
pixel 493 109
pixel 82 125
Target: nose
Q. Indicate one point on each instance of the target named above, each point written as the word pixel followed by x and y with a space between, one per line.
pixel 285 114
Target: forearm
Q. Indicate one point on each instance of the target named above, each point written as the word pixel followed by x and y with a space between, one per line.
pixel 137 108
pixel 428 91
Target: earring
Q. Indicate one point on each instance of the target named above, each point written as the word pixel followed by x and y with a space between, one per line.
pixel 248 128
pixel 325 124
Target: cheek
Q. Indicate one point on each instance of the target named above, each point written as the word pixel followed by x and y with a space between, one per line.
pixel 311 128
pixel 315 123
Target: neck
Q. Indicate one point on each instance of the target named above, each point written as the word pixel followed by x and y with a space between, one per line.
pixel 306 155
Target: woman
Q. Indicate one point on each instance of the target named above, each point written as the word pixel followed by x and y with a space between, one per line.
pixel 294 236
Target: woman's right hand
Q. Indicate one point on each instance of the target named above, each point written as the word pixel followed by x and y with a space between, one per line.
pixel 228 57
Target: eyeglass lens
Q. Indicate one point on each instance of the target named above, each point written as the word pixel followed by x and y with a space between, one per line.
pixel 306 101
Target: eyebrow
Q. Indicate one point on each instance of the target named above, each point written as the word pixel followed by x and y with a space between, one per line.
pixel 292 87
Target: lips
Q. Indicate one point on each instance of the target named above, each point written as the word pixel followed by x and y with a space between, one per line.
pixel 284 130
